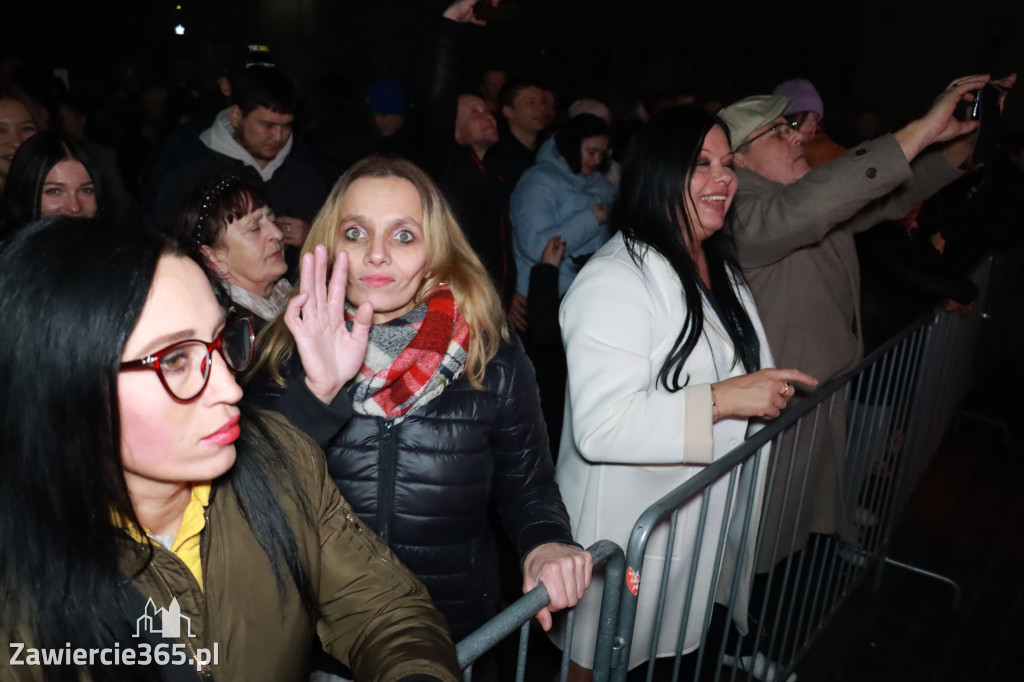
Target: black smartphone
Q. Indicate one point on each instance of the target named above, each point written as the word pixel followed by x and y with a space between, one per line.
pixel 990 126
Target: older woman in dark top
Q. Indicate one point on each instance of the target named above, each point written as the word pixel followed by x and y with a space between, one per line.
pixel 228 226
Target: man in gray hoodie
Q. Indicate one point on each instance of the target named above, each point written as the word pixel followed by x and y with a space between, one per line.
pixel 253 139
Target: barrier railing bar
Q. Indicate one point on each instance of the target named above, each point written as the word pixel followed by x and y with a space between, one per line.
pixel 785 587
pixel 806 603
pixel 735 586
pixel 659 612
pixel 518 615
pixel 723 535
pixel 770 578
pixel 905 479
pixel 570 628
pixel 896 444
pixel 608 648
pixel 929 574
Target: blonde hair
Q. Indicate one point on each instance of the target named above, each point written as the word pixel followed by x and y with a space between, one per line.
pixel 451 261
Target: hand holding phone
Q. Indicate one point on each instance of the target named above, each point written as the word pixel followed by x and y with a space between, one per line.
pixel 986 111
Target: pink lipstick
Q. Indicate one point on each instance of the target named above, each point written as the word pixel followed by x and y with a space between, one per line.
pixel 225 435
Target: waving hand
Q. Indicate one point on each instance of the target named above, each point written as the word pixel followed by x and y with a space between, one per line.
pixel 330 353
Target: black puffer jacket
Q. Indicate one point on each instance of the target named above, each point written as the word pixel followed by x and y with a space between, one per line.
pixel 425 484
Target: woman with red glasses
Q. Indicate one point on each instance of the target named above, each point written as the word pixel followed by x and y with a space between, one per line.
pixel 151 527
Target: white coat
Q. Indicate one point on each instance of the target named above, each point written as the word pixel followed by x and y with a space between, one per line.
pixel 627 441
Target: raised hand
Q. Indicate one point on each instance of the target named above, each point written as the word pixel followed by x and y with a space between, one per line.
pixel 553 252
pixel 762 394
pixel 565 572
pixel 330 353
pixel 462 11
pixel 940 123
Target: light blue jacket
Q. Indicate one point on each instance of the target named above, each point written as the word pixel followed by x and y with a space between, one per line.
pixel 550 200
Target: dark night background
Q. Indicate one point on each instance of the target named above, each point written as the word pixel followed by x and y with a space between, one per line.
pixel 894 55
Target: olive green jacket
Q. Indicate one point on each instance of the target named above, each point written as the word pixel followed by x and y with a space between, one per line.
pixel 375 617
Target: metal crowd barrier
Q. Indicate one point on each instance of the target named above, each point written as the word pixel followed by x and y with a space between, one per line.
pixel 843 464
pixel 806 523
pixel 519 615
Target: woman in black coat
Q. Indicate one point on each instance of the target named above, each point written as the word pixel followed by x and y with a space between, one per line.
pixel 429 413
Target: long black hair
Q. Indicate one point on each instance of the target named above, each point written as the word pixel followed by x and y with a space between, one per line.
pixel 70 296
pixel 651 213
pixel 31 164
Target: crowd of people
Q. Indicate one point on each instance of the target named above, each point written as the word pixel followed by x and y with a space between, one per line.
pixel 325 389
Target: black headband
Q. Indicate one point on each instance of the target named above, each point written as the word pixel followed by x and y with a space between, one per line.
pixel 209 199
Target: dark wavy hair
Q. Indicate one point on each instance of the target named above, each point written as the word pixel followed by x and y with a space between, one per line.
pixel 651 214
pixel 70 298
pixel 208 209
pixel 32 163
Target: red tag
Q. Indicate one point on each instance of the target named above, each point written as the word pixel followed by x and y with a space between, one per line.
pixel 633 580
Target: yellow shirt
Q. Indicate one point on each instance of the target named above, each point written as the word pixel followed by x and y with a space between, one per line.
pixel 186 543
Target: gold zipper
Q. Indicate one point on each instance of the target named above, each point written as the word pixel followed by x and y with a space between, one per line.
pixel 384 560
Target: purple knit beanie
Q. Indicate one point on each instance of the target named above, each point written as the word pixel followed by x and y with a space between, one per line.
pixel 804 96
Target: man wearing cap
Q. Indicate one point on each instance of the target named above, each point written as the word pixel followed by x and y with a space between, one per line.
pixel 793 228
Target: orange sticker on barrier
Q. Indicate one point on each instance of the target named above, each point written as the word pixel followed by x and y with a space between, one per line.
pixel 633 580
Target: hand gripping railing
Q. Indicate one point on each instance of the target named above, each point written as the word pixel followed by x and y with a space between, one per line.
pixel 522 611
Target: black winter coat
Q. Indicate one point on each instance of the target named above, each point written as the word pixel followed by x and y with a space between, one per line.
pixel 425 484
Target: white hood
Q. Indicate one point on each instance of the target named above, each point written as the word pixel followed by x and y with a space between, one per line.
pixel 220 137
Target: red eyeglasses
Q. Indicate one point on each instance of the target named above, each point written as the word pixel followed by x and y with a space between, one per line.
pixel 184 367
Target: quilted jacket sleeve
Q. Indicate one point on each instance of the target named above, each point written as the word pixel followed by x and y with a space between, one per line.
pixel 298 405
pixel 524 484
pixel 375 616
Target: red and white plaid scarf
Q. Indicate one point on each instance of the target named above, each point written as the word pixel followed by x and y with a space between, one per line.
pixel 411 358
